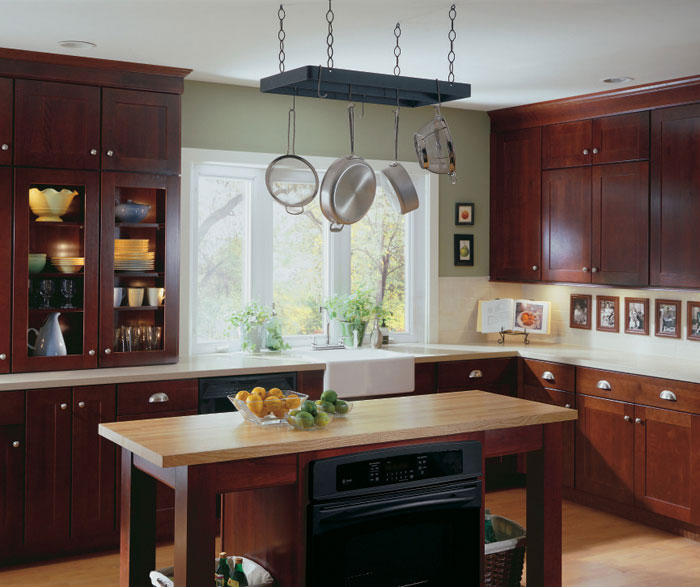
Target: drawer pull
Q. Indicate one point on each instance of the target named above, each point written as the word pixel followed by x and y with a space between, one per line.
pixel 16 444
pixel 568 406
pixel 668 395
pixel 627 418
pixel 602 384
pixel 638 421
pixel 548 376
pixel 476 374
pixel 158 398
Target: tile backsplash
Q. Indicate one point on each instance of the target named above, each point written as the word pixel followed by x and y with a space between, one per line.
pixel 458 311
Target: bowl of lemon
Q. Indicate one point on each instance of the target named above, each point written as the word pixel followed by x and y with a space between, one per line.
pixel 267 407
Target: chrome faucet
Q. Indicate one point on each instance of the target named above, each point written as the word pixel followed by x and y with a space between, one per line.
pixel 327 346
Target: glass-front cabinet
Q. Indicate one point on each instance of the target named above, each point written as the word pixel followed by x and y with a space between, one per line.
pixel 56 271
pixel 139 269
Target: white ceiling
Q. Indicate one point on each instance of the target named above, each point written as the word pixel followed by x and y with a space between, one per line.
pixel 511 51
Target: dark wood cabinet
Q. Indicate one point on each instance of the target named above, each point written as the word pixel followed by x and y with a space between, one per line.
pixel 566 225
pixel 515 252
pixel 140 131
pixel 620 138
pixel 620 239
pixel 94 464
pixel 493 375
pixel 57 125
pixel 12 445
pixel 567 144
pixel 605 436
pixel 48 481
pixel 425 378
pixel 675 197
pixel 75 234
pixel 6 110
pixel 5 270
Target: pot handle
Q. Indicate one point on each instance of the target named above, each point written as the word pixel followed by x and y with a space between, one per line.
pixel 351 118
pixel 335 227
pixel 294 210
pixel 35 331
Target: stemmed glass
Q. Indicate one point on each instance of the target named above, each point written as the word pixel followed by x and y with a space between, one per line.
pixel 46 290
pixel 68 291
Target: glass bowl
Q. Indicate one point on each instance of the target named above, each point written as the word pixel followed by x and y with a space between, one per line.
pixel 294 423
pixel 268 419
pixel 336 414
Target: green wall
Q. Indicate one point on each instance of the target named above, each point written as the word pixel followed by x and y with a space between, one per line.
pixel 236 118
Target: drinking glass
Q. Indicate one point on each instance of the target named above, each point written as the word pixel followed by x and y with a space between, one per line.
pixel 46 290
pixel 154 335
pixel 68 291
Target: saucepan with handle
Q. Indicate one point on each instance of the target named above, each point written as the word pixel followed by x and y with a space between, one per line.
pixel 396 181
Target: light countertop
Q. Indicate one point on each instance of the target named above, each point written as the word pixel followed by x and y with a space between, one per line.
pixel 210 438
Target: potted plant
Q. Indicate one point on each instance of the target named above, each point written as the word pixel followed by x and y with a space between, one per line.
pixel 353 312
pixel 251 324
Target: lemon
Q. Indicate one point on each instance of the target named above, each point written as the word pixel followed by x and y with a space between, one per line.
pixel 242 395
pixel 259 391
pixel 255 404
pixel 292 401
pixel 273 404
pixel 275 391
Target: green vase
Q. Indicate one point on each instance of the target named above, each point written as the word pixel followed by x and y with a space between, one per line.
pixel 346 330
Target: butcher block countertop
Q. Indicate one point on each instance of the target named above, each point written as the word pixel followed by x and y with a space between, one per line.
pixel 209 438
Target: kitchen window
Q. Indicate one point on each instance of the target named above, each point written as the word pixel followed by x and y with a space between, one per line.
pixel 243 246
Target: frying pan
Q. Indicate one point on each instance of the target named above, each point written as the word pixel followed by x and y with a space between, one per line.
pixel 396 181
pixel 349 186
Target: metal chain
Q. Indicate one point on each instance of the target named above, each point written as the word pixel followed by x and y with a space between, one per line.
pixel 452 35
pixel 281 36
pixel 397 49
pixel 330 16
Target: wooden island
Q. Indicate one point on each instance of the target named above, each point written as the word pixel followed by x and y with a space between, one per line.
pixel 203 456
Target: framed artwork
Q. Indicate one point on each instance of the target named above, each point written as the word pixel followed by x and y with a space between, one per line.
pixel 637 316
pixel 464 214
pixel 608 313
pixel 580 311
pixel 464 249
pixel 693 320
pixel 668 318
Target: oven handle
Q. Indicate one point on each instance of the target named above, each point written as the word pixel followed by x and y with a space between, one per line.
pixel 383 509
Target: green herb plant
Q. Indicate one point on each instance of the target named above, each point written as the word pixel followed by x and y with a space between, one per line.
pixel 250 317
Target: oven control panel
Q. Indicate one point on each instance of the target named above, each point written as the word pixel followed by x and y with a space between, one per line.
pixel 398 469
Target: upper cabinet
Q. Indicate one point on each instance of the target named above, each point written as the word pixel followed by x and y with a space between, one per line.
pixel 675 197
pixel 57 125
pixel 515 205
pixel 6 143
pixel 611 139
pixel 141 131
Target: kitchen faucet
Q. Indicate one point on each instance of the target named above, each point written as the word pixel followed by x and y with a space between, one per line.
pixel 327 346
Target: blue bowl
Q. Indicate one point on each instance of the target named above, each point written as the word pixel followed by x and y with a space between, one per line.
pixel 130 212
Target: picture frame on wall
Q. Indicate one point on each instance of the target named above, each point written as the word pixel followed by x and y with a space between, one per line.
pixel 464 249
pixel 637 316
pixel 608 311
pixel 668 318
pixel 693 320
pixel 581 311
pixel 464 214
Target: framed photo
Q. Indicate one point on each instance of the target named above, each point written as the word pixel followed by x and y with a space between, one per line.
pixel 668 318
pixel 693 320
pixel 637 316
pixel 464 213
pixel 608 313
pixel 580 311
pixel 464 249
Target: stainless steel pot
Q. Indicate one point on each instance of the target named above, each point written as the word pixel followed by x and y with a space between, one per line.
pixel 396 181
pixel 349 186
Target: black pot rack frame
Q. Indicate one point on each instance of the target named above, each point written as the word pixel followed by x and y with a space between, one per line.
pixel 314 81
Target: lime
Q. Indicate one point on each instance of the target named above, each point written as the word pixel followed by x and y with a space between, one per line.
pixel 342 407
pixel 322 419
pixel 310 407
pixel 329 396
pixel 305 419
pixel 327 407
pixel 292 421
pixel 294 412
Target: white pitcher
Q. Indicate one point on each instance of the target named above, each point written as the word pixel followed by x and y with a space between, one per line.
pixel 49 339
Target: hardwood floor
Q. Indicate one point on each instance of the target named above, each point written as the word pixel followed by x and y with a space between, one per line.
pixel 600 550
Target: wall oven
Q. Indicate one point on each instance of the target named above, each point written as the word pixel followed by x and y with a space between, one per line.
pixel 400 517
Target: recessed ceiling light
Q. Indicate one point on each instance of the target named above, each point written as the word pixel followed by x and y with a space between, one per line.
pixel 617 80
pixel 77 44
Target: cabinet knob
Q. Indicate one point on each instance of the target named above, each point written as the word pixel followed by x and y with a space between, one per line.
pixel 638 421
pixel 584 269
pixel 81 404
pixel 548 376
pixel 668 395
pixel 16 444
pixel 602 384
pixel 568 406
pixel 91 352
pixel 5 147
pixel 63 406
pixel 108 351
pixel 627 418
pixel 93 152
pixel 535 267
pixel 585 151
pixel 595 151
pixel 3 356
pixel 594 270
pixel 110 153
pixel 476 374
pixel 158 398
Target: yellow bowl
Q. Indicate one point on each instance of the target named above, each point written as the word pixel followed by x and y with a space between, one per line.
pixel 49 205
pixel 69 268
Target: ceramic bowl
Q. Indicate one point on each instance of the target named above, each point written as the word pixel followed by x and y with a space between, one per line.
pixel 49 205
pixel 69 268
pixel 37 263
pixel 130 212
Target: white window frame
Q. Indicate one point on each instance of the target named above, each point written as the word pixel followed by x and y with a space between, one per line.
pixel 421 294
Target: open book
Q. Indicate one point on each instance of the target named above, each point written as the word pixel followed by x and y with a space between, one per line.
pixel 512 315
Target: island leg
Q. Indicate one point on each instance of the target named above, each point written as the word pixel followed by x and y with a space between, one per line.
pixel 138 525
pixel 544 491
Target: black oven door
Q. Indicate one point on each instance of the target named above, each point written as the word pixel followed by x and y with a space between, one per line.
pixel 425 537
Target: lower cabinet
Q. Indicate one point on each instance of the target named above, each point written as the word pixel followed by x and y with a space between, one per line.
pixel 12 448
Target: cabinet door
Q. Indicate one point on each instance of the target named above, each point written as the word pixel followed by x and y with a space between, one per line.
pixel 57 125
pixel 567 144
pixel 605 448
pixel 675 197
pixel 5 268
pixel 47 507
pixel 515 205
pixel 11 488
pixel 566 225
pixel 621 138
pixel 6 143
pixel 620 246
pixel 140 131
pixel 94 463
pixel 666 477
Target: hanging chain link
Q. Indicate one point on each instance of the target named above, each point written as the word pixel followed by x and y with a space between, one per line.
pixel 330 17
pixel 397 49
pixel 452 35
pixel 281 36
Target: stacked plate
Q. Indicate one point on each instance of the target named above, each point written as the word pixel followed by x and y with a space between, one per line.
pixel 68 264
pixel 131 254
